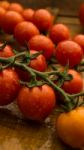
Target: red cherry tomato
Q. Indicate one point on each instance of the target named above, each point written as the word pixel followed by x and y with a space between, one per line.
pixel 16 7
pixel 43 19
pixel 28 14
pixel 59 32
pixel 36 103
pixel 81 13
pixel 11 19
pixel 42 43
pixel 4 4
pixel 80 40
pixel 75 85
pixel 24 31
pixel 2 14
pixel 6 52
pixel 9 86
pixel 69 52
pixel 39 63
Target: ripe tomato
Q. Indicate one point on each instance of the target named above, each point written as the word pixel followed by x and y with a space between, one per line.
pixel 11 19
pixel 69 52
pixel 75 85
pixel 36 103
pixel 24 31
pixel 28 14
pixel 6 52
pixel 43 19
pixel 4 4
pixel 9 86
pixel 70 127
pixel 42 43
pixel 59 32
pixel 80 40
pixel 16 7
pixel 38 63
pixel 2 14
pixel 81 13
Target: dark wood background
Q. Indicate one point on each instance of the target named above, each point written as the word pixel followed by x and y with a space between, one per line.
pixel 67 7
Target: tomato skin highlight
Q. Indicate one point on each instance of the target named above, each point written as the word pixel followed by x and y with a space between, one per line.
pixel 59 32
pixel 16 7
pixel 11 19
pixel 24 31
pixel 43 19
pixel 36 103
pixel 75 85
pixel 6 52
pixel 28 14
pixel 70 127
pixel 42 43
pixel 4 4
pixel 80 40
pixel 9 86
pixel 69 52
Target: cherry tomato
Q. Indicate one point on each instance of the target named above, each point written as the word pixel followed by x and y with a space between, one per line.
pixel 69 52
pixel 24 31
pixel 28 14
pixel 9 86
pixel 39 63
pixel 42 19
pixel 81 13
pixel 59 32
pixel 42 43
pixel 4 4
pixel 75 85
pixel 2 14
pixel 6 52
pixel 16 7
pixel 36 103
pixel 70 127
pixel 80 40
pixel 11 19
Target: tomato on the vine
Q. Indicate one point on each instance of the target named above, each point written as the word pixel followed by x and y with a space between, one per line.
pixel 16 7
pixel 75 85
pixel 69 52
pixel 70 127
pixel 7 51
pixel 28 14
pixel 42 43
pixel 24 31
pixel 4 4
pixel 10 20
pixel 9 86
pixel 36 103
pixel 2 14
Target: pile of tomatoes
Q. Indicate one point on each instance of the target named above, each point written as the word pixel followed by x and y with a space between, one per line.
pixel 49 49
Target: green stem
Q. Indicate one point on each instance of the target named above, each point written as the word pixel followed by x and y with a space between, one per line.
pixel 76 95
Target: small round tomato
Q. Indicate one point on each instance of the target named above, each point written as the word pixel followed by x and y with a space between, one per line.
pixel 39 63
pixel 11 19
pixel 36 103
pixel 16 7
pixel 2 14
pixel 81 13
pixel 75 85
pixel 9 86
pixel 28 14
pixel 4 4
pixel 7 51
pixel 42 43
pixel 80 40
pixel 24 31
pixel 70 127
pixel 69 52
pixel 59 32
pixel 42 19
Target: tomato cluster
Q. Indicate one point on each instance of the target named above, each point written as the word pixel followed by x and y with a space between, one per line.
pixel 45 68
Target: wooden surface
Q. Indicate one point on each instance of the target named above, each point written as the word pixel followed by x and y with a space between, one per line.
pixel 16 133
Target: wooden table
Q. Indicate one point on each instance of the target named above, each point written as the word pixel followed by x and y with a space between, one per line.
pixel 16 133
